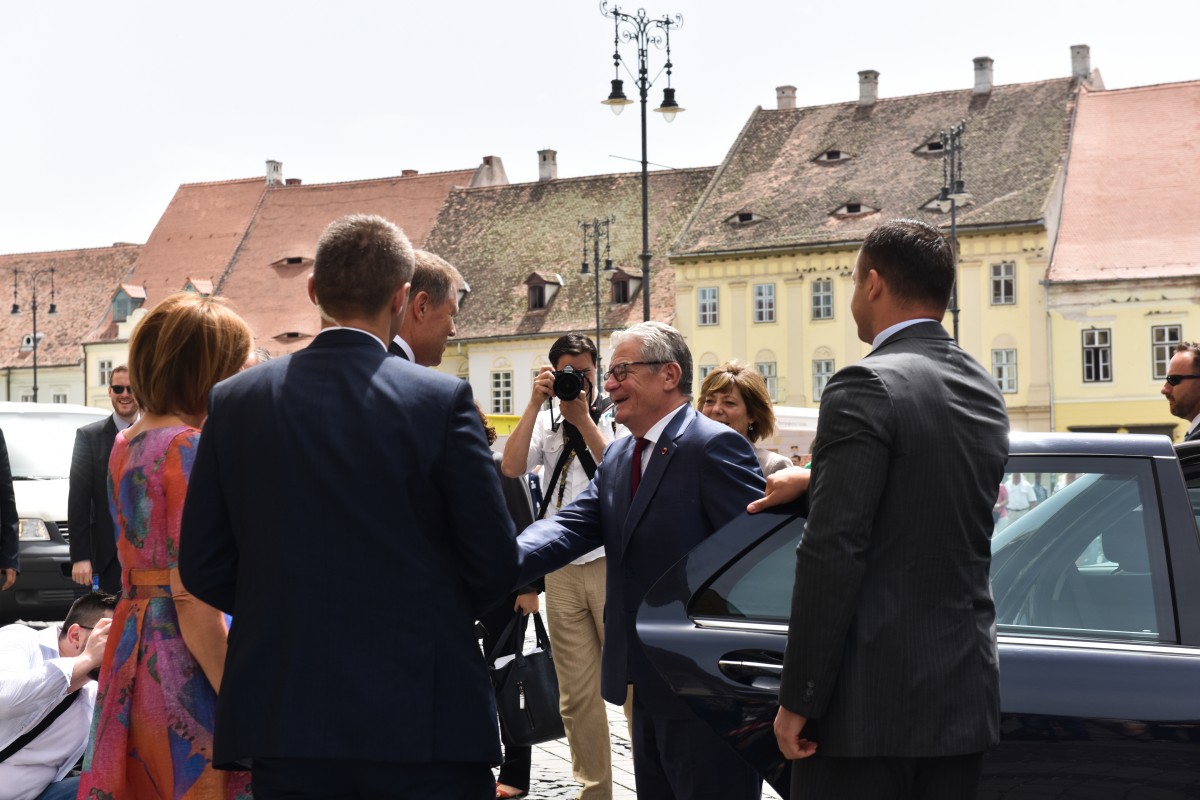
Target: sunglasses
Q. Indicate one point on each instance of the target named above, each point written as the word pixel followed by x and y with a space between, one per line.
pixel 1175 380
pixel 120 389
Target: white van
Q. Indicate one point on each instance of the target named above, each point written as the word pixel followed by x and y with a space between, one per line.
pixel 795 429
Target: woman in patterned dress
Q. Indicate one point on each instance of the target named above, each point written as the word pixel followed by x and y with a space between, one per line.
pixel 153 727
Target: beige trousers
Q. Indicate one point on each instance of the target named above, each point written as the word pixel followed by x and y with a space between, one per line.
pixel 575 611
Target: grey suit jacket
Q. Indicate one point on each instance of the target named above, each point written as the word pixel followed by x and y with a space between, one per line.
pixel 891 643
pixel 701 475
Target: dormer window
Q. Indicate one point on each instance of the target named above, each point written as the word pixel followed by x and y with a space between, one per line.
pixel 933 146
pixel 27 341
pixel 127 298
pixel 854 209
pixel 542 286
pixel 744 218
pixel 292 261
pixel 833 155
pixel 620 292
pixel 290 336
pixel 201 287
pixel 624 285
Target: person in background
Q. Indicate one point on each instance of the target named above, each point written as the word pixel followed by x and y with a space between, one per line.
pixel 427 321
pixel 1182 387
pixel 10 540
pixel 93 544
pixel 736 395
pixel 47 695
pixel 156 708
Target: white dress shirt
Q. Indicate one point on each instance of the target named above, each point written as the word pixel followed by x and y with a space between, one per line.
pixel 655 433
pixel 33 680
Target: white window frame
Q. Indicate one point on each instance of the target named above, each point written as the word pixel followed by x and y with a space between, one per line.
pixel 822 371
pixel 1004 369
pixel 822 298
pixel 1097 355
pixel 106 368
pixel 502 391
pixel 770 376
pixel 707 309
pixel 58 397
pixel 1004 283
pixel 1163 339
pixel 764 302
pixel 704 370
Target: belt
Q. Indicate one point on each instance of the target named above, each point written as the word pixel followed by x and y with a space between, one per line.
pixel 145 584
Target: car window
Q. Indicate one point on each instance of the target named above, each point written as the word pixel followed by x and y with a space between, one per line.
pixel 40 444
pixel 758 586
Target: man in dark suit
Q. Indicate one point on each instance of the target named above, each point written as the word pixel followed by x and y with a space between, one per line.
pixel 363 481
pixel 427 320
pixel 655 496
pixel 93 542
pixel 10 540
pixel 890 683
pixel 1182 387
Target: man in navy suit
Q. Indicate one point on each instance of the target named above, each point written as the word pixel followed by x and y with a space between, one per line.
pixel 655 496
pixel 345 509
pixel 427 320
pixel 1182 387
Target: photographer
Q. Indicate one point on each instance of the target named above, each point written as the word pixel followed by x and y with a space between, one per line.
pixel 566 440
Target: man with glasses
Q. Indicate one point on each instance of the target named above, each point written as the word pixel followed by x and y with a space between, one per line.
pixel 93 543
pixel 1182 388
pixel 47 695
pixel 656 495
pixel 568 445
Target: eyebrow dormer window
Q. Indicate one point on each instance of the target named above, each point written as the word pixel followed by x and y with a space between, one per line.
pixel 933 146
pixel 833 155
pixel 744 218
pixel 854 209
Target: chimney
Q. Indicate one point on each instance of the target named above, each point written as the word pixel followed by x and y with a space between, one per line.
pixel 983 75
pixel 547 165
pixel 868 87
pixel 490 173
pixel 785 97
pixel 292 182
pixel 1081 61
pixel 407 173
pixel 274 173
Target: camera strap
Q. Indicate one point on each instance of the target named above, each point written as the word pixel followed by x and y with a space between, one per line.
pixel 572 443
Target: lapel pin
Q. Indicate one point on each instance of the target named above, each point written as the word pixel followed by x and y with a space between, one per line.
pixel 663 451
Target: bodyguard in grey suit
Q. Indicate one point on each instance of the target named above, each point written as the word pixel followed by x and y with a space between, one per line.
pixel 890 682
pixel 1182 387
pixel 656 495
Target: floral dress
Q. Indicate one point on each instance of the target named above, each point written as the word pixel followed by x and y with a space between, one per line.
pixel 153 727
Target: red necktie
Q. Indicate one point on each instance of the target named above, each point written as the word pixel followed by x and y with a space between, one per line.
pixel 638 449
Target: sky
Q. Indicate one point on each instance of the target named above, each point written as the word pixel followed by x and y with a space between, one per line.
pixel 106 107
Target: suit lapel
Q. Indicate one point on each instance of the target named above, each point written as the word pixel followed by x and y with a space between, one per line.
pixel 660 457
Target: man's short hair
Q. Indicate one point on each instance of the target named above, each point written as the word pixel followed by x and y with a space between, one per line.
pixel 915 261
pixel 88 610
pixel 361 261
pixel 753 391
pixel 572 344
pixel 119 368
pixel 662 343
pixel 182 348
pixel 1190 347
pixel 435 276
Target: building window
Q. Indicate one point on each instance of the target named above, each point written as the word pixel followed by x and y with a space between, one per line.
pixel 122 307
pixel 822 372
pixel 767 370
pixel 105 372
pixel 58 397
pixel 822 298
pixel 1163 339
pixel 708 305
pixel 620 291
pixel 1004 370
pixel 26 398
pixel 764 302
pixel 1004 279
pixel 1097 355
pixel 537 298
pixel 502 385
pixel 705 369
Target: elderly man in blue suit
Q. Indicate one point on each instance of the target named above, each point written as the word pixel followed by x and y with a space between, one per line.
pixel 656 495
pixel 344 507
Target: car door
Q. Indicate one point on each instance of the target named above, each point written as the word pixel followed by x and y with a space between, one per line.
pixel 1099 661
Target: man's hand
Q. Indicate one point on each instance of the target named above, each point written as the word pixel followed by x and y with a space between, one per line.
pixel 783 486
pixel 8 576
pixel 578 412
pixel 788 727
pixel 543 386
pixel 87 663
pixel 81 573
pixel 526 603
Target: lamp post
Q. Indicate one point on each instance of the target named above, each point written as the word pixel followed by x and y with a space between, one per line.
pixel 954 191
pixel 643 31
pixel 32 281
pixel 593 231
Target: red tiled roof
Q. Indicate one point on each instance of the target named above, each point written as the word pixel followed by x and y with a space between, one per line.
pixel 270 293
pixel 1127 211
pixel 81 294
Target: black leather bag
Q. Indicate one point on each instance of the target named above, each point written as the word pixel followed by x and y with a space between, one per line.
pixel 526 686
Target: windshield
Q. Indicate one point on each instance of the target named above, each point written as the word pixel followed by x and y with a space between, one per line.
pixel 40 445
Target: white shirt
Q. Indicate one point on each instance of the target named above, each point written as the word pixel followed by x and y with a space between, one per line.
pixel 1195 424
pixel 33 680
pixel 890 331
pixel 655 433
pixel 121 422
pixel 1020 495
pixel 545 447
pixel 403 345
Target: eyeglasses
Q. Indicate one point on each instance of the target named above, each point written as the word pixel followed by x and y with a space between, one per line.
pixel 1175 380
pixel 621 371
pixel 120 389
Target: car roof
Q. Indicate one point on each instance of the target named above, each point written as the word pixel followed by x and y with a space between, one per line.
pixel 10 408
pixel 1090 444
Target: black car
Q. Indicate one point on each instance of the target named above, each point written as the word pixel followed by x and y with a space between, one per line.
pixel 1097 593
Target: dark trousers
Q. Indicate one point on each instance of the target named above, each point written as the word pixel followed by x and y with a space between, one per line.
pixel 833 778
pixel 110 578
pixel 518 761
pixel 333 779
pixel 683 759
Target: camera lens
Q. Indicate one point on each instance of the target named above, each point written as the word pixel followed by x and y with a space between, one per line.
pixel 567 384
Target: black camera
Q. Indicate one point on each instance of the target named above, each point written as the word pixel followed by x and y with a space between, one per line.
pixel 568 383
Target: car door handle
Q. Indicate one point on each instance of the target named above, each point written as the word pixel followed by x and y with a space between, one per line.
pixel 757 669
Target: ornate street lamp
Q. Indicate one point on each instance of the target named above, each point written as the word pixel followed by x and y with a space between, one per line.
pixel 32 282
pixel 954 192
pixel 594 231
pixel 643 31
